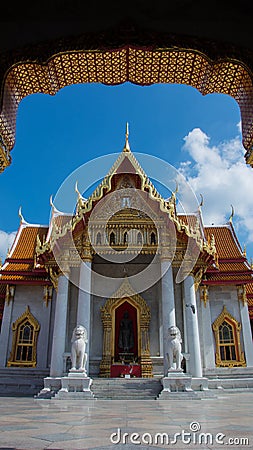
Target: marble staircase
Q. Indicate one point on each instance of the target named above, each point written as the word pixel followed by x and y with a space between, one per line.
pixel 20 381
pixel 126 388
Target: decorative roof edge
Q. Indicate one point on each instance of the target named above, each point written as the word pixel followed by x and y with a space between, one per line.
pixel 84 206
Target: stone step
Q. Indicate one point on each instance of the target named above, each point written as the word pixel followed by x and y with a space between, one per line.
pixel 126 389
pixel 19 381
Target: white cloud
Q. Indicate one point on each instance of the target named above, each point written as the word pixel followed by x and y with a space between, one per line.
pixel 221 175
pixel 6 240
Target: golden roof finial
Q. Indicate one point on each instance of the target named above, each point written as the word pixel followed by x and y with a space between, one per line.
pixel 55 210
pixel 244 251
pixel 51 201
pixel 232 214
pixel 77 191
pixel 201 201
pixel 20 214
pixel 174 194
pixel 22 220
pixel 127 146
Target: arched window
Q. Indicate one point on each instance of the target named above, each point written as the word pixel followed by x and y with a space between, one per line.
pixel 227 337
pixel 125 238
pixel 98 239
pixel 24 341
pixel 112 238
pixel 139 238
pixel 152 238
pixel 227 342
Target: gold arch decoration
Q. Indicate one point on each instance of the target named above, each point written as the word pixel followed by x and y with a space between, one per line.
pixel 24 342
pixel 126 293
pixel 232 343
pixel 99 59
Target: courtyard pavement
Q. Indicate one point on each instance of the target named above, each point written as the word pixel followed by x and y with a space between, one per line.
pixel 225 422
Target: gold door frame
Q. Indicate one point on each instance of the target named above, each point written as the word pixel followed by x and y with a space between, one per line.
pixel 131 302
pixel 126 293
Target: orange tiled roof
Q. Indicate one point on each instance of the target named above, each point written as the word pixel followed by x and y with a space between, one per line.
pixel 236 277
pixel 15 277
pixel 226 242
pixel 13 267
pixel 233 266
pixel 249 289
pixel 25 241
pixel 19 265
pixel 2 290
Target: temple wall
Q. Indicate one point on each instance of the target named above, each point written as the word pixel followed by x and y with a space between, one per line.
pixel 219 296
pixel 206 335
pixel 223 295
pixel 32 296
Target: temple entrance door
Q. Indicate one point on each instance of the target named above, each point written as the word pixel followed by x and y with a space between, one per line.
pixel 126 333
pixel 126 318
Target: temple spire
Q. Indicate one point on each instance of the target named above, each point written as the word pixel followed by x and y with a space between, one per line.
pixel 232 214
pixel 201 202
pixel 127 146
pixel 22 220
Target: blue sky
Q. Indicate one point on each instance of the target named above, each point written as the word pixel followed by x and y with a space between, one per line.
pixel 199 135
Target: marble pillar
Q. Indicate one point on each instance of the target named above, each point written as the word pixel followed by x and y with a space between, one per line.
pixel 192 327
pixel 168 306
pixel 207 332
pixel 6 333
pixel 246 332
pixel 84 302
pixel 59 334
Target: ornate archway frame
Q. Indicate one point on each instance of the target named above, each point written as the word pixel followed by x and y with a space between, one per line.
pixel 115 306
pixel 119 56
pixel 236 326
pixel 126 293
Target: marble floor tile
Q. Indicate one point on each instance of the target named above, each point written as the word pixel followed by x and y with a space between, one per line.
pixel 27 423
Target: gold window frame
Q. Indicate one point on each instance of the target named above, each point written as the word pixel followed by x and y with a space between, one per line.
pixel 16 326
pixel 225 316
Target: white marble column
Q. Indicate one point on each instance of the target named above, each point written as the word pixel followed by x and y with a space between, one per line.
pixel 246 332
pixel 6 332
pixel 168 306
pixel 59 334
pixel 192 327
pixel 84 300
pixel 207 332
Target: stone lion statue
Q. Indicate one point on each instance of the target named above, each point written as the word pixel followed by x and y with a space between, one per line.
pixel 79 341
pixel 175 348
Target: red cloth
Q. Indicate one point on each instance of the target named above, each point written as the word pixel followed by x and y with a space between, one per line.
pixel 117 370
